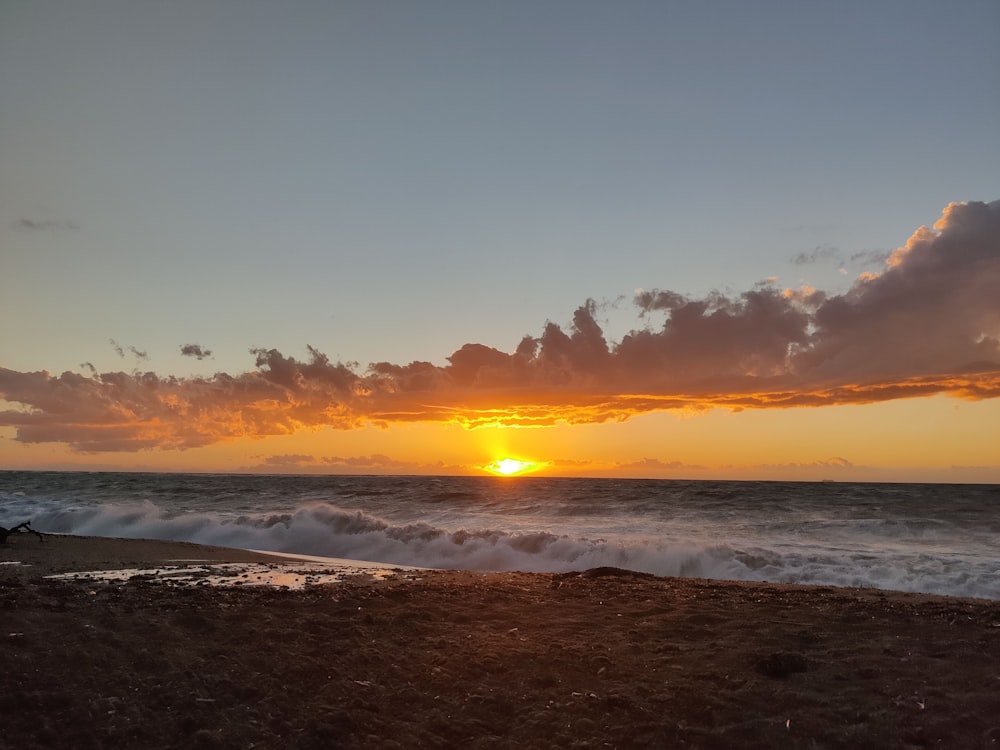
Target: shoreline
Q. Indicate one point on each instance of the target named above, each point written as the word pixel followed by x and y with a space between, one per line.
pixel 84 554
pixel 603 658
pixel 117 559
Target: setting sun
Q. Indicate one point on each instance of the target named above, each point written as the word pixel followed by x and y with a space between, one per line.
pixel 510 466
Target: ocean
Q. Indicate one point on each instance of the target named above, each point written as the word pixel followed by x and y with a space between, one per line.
pixel 932 538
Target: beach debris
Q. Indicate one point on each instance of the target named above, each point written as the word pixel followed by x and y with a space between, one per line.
pixel 23 528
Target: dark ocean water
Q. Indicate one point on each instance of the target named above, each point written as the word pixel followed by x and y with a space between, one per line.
pixel 933 538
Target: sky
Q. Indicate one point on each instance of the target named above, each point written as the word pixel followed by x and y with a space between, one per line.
pixel 637 239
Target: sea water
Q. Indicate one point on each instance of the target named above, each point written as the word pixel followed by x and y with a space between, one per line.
pixel 933 538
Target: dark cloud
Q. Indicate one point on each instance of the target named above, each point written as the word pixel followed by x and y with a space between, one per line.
pixel 715 338
pixel 927 323
pixel 821 252
pixel 870 257
pixel 935 308
pixel 121 350
pixel 195 350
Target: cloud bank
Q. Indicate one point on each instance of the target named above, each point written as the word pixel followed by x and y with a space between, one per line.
pixel 927 323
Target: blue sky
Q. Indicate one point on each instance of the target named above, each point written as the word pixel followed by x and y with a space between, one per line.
pixel 390 180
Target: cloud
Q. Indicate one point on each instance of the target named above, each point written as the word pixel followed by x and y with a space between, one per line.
pixel 821 252
pixel 870 257
pixel 285 460
pixel 120 351
pixel 48 225
pixel 835 463
pixel 932 310
pixel 656 465
pixel 376 463
pixel 195 350
pixel 928 322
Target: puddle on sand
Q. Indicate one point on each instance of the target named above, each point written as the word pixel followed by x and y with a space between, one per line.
pixel 278 575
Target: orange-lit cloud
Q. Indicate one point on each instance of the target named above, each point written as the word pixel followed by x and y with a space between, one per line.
pixel 927 323
pixel 653 465
pixel 374 463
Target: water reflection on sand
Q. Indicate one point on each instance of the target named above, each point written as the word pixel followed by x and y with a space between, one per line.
pixel 293 575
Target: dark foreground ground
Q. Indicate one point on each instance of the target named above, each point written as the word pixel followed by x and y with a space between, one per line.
pixel 452 659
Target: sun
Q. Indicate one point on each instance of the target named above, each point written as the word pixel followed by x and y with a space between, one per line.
pixel 509 467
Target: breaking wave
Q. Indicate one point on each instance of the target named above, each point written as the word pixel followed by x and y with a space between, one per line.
pixel 328 530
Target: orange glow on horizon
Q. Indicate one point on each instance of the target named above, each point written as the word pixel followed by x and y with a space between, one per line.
pixel 509 467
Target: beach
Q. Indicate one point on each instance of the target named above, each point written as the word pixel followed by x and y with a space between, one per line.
pixel 600 658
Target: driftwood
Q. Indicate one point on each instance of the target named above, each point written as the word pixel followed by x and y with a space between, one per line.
pixel 23 528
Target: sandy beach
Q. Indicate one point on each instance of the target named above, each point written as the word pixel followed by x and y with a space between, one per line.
pixel 599 659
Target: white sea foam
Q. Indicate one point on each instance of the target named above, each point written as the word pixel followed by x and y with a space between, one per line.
pixel 870 554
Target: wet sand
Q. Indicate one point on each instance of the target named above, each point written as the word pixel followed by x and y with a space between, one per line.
pixel 457 659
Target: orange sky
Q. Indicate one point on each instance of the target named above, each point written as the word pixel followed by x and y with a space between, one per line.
pixel 895 379
pixel 937 439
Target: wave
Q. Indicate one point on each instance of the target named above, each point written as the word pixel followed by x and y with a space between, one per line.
pixel 331 531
